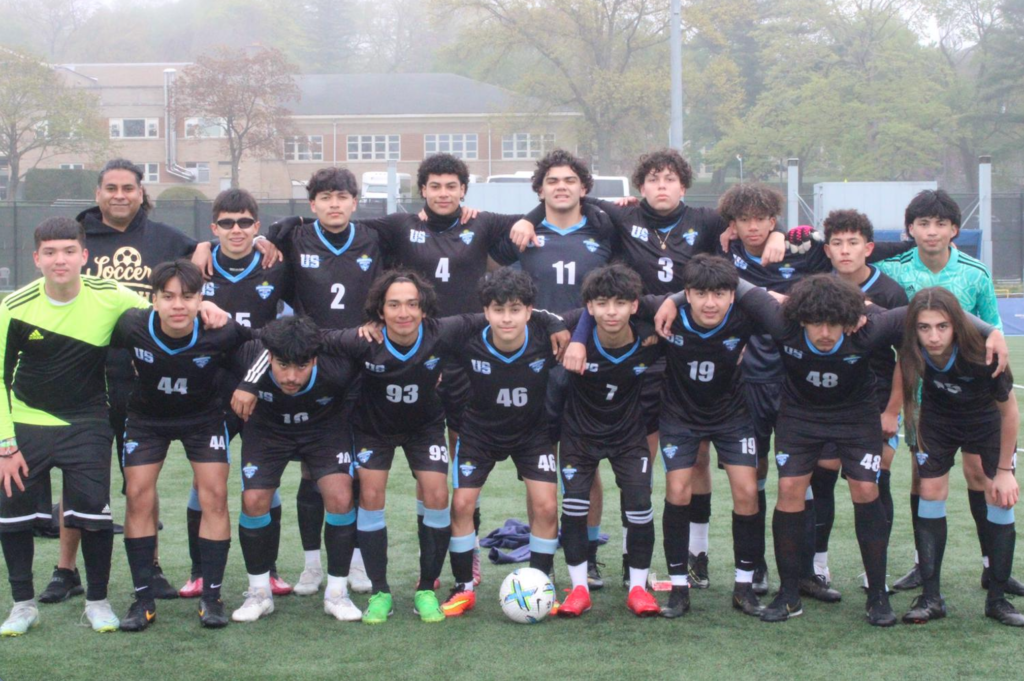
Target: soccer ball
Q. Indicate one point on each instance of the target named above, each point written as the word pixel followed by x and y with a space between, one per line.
pixel 527 595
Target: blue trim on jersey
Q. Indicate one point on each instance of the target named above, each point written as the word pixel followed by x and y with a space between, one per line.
pixel 949 364
pixel 615 360
pixel 330 247
pixel 819 352
pixel 871 282
pixel 234 279
pixel 152 333
pixel 568 230
pixel 406 356
pixel 675 224
pixel 227 443
pixel 708 334
pixel 309 386
pixel 420 508
pixel 503 358
pixel 751 257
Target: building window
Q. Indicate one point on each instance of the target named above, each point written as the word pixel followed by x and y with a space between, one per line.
pixel 72 166
pixel 205 127
pixel 200 170
pixel 526 145
pixel 373 147
pixel 150 172
pixel 304 148
pixel 459 145
pixel 134 128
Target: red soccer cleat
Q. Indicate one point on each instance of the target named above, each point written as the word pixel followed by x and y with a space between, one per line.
pixel 642 603
pixel 193 588
pixel 278 586
pixel 577 603
pixel 459 602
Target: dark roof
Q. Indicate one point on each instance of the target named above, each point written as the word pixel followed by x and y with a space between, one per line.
pixel 367 94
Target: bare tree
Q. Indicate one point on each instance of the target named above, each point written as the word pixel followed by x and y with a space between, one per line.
pixel 246 94
pixel 55 20
pixel 41 115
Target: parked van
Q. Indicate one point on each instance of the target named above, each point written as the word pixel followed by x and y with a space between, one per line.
pixel 375 186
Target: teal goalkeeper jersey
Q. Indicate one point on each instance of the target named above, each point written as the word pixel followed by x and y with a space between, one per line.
pixel 963 276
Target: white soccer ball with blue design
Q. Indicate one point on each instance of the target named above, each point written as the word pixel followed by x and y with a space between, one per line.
pixel 527 595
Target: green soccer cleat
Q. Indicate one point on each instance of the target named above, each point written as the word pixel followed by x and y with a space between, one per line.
pixel 379 609
pixel 426 605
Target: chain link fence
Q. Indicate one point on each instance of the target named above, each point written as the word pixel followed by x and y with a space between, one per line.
pixel 18 220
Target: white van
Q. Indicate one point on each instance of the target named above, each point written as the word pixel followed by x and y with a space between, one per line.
pixel 375 186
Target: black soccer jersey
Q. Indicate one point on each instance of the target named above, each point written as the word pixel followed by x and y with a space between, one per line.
pixel 319 404
pixel 563 258
pixel 883 291
pixel 658 247
pixel 398 393
pixel 175 376
pixel 962 392
pixel 247 291
pixel 450 255
pixel 703 388
pixel 332 272
pixel 506 404
pixel 604 403
pixel 824 387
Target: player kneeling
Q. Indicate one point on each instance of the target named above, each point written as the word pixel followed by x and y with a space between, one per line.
pixel 297 415
pixel 961 407
pixel 175 396
pixel 507 365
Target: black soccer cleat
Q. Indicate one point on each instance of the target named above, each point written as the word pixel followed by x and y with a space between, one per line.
pixel 760 584
pixel 678 603
pixel 909 581
pixel 819 589
pixel 140 615
pixel 160 588
pixel 212 614
pixel 1013 587
pixel 1003 612
pixel 924 609
pixel 63 585
pixel 745 600
pixel 699 571
pixel 784 607
pixel 594 579
pixel 879 611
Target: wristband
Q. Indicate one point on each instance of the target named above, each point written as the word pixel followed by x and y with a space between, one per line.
pixel 9 454
pixel 1004 469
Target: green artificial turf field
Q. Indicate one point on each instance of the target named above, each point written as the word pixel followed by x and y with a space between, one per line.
pixel 300 642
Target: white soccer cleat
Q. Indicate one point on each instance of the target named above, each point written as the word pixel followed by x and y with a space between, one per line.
pixel 101 616
pixel 24 615
pixel 309 581
pixel 357 579
pixel 341 607
pixel 258 603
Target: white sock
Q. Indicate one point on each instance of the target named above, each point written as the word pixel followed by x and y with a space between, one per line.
pixel 468 586
pixel 339 584
pixel 260 582
pixel 637 578
pixel 625 531
pixel 357 560
pixel 821 562
pixel 578 575
pixel 984 561
pixel 744 576
pixel 677 580
pixel 312 558
pixel 916 560
pixel 699 538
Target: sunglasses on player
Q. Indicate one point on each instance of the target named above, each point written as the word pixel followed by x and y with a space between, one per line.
pixel 228 223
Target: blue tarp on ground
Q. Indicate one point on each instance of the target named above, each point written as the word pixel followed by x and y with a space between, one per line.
pixel 1011 311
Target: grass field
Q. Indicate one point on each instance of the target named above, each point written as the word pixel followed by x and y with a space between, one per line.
pixel 713 641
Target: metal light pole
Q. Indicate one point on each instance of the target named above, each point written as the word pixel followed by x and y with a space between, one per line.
pixel 676 74
pixel 740 159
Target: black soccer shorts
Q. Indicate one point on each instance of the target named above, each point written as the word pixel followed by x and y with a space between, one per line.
pixel 940 438
pixel 473 464
pixel 425 450
pixel 205 439
pixel 454 392
pixel 579 459
pixel 763 406
pixel 82 452
pixel 734 441
pixel 325 450
pixel 799 444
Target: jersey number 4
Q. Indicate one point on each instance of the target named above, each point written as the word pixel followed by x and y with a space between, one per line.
pixel 170 387
pixel 512 397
